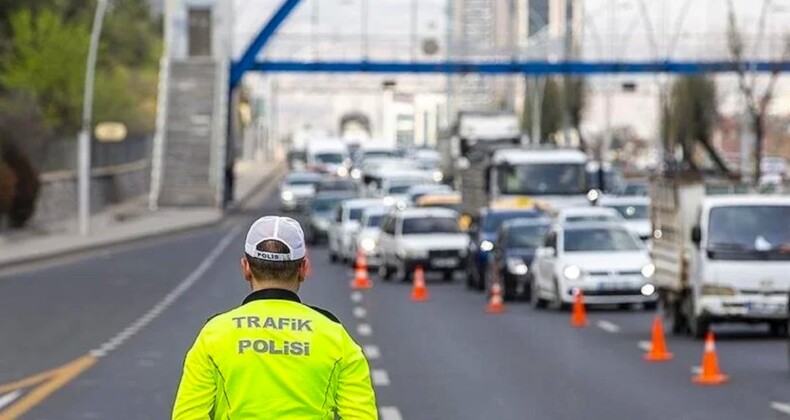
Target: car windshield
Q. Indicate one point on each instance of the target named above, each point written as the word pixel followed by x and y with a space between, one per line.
pixel 336 158
pixel 749 232
pixel 374 220
pixel 423 225
pixel 301 180
pixel 632 211
pixel 338 185
pixel 355 214
pixel 590 218
pixel 525 236
pixel 494 220
pixel 543 179
pixel 323 204
pixel 637 189
pixel 599 240
pixel 613 181
pixel 379 154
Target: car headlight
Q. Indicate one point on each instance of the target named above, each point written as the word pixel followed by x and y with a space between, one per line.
pixel 342 171
pixel 356 173
pixel 647 289
pixel 572 272
pixel 486 246
pixel 367 244
pixel 717 290
pixel 287 196
pixel 438 176
pixel 517 266
pixel 648 270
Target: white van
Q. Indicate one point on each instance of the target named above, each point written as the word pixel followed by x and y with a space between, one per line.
pixel 328 156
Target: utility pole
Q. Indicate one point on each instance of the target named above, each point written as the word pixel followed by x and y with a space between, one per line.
pixel 84 138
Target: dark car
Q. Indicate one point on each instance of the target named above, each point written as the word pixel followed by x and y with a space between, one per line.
pixel 483 233
pixel 337 185
pixel 637 188
pixel 321 212
pixel 514 251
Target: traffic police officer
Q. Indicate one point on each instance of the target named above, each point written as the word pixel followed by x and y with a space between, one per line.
pixel 274 357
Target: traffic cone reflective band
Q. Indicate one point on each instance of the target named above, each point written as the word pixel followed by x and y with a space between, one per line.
pixel 710 375
pixel 361 278
pixel 578 313
pixel 495 304
pixel 658 349
pixel 418 291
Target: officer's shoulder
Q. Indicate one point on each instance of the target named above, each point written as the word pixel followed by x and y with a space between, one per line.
pixel 325 313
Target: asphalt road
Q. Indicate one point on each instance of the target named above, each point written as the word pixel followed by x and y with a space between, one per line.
pixel 136 309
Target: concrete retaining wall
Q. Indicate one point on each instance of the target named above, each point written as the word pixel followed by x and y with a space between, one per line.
pixel 110 185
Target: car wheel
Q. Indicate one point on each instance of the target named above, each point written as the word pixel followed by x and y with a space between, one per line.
pixel 471 278
pixel 332 255
pixel 698 327
pixel 537 301
pixel 448 275
pixel 561 306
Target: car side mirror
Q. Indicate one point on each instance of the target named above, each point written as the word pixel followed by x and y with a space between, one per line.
pixel 696 235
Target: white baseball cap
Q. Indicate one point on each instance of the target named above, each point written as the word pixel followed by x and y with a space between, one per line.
pixel 275 228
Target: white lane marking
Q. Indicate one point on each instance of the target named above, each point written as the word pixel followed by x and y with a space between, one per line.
pixel 380 377
pixel 607 326
pixel 360 312
pixel 114 342
pixel 696 370
pixel 9 398
pixel 371 351
pixel 364 330
pixel 645 345
pixel 356 297
pixel 390 413
pixel 781 407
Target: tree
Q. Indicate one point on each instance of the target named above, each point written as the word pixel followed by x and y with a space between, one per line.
pixel 756 102
pixel 575 95
pixel 47 61
pixel 551 110
pixel 690 119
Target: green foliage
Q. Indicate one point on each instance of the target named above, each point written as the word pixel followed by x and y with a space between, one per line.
pixel 692 111
pixel 48 62
pixel 551 110
pixel 575 93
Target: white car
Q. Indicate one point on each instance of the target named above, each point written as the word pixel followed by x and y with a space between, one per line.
pixel 587 214
pixel 297 189
pixel 605 261
pixel 366 238
pixel 635 211
pixel 428 237
pixel 346 223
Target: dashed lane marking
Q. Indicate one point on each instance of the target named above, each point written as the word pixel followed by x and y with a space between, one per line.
pixel 645 345
pixel 380 377
pixel 356 297
pixel 364 330
pixel 390 413
pixel 360 312
pixel 371 351
pixel 9 398
pixel 781 407
pixel 38 387
pixel 607 326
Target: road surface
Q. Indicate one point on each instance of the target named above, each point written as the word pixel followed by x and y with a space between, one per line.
pixel 103 336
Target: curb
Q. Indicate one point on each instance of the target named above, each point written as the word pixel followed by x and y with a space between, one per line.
pixel 209 220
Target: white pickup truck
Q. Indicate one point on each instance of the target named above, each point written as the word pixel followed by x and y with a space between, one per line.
pixel 720 258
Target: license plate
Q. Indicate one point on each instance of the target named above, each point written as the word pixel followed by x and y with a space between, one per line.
pixel 613 285
pixel 444 262
pixel 764 308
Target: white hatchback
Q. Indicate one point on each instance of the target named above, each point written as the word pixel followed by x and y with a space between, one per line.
pixel 605 261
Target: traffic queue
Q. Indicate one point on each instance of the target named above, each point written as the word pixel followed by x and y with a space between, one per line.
pixel 722 264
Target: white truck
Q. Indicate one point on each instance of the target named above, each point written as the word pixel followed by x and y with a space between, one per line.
pixel 719 259
pixel 328 155
pixel 555 177
pixel 476 130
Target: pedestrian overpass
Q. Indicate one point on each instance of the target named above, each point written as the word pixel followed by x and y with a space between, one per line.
pixel 194 148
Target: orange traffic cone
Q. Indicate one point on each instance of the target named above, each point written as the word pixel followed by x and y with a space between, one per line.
pixel 658 350
pixel 419 293
pixel 578 313
pixel 710 375
pixel 361 279
pixel 496 304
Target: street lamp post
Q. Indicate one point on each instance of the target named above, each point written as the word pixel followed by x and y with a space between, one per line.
pixel 84 138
